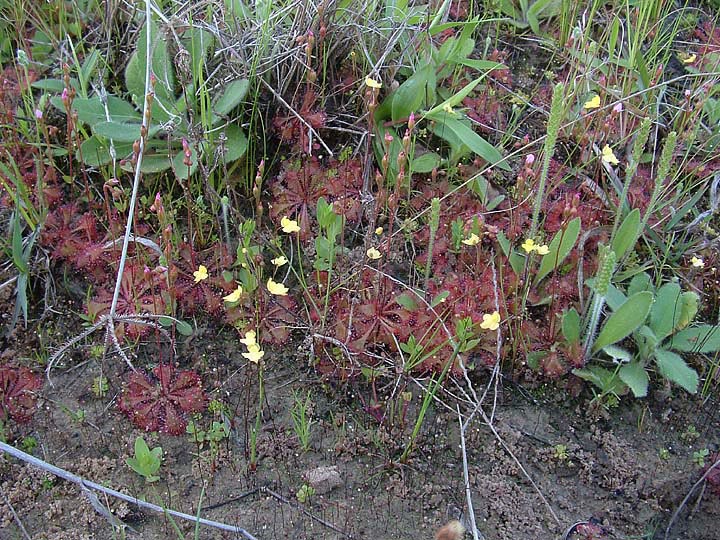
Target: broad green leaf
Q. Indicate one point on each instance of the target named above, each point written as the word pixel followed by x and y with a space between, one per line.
pixel 472 140
pixel 560 247
pixel 161 67
pixel 504 243
pixel 689 304
pixel 121 131
pixel 700 339
pixel 96 151
pixel 666 311
pixel 626 234
pixel 50 85
pixel 618 354
pixel 233 94
pixel 184 328
pixel 439 298
pixel 151 163
pixel 236 144
pixel 674 368
pixel 623 322
pixel 571 325
pixel 640 282
pixel 635 376
pixel 415 93
pixel 407 300
pixel 182 171
pixel 91 110
pixel 456 98
pixel 426 163
pixel 517 262
pixel 482 65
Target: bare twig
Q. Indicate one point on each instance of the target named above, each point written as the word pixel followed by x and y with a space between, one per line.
pixel 466 475
pixel 15 516
pixel 87 484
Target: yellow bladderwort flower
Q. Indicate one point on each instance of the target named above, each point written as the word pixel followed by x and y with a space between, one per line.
pixel 254 354
pixel 235 295
pixel 697 262
pixel 277 289
pixel 200 274
pixel 529 245
pixel 608 156
pixel 379 231
pixel 542 250
pixel 249 338
pixel 491 321
pixel 472 240
pixel 289 225
pixel 373 254
pixel 687 58
pixel 372 83
pixel 592 103
pixel 280 261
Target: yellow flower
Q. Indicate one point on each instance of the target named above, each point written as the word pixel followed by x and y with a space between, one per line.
pixel 200 274
pixel 687 58
pixel 542 250
pixel 697 262
pixel 379 231
pixel 448 108
pixel 592 103
pixel 372 83
pixel 279 261
pixel 491 321
pixel 277 289
pixel 235 295
pixel 289 225
pixel 249 338
pixel 472 240
pixel 529 245
pixel 608 156
pixel 254 353
pixel 373 254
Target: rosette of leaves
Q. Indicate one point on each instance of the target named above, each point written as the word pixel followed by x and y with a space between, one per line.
pixel 116 121
pixel 162 400
pixel 18 393
pixel 658 322
pixel 421 94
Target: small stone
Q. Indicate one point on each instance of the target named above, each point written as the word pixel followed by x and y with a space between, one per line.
pixel 323 479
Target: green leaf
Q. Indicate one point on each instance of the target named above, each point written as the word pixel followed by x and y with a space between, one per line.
pixel 607 381
pixel 472 140
pixel 184 328
pixel 426 163
pixel 560 247
pixel 415 93
pixel 439 298
pixel 626 234
pixel 674 368
pixel 50 85
pixel 690 303
pixel 161 67
pixel 182 171
pixel 571 325
pixel 640 282
pixel 699 339
pixel 623 322
pixel 96 151
pixel 121 132
pixel 236 144
pixel 407 300
pixel 504 243
pixel 635 376
pixel 517 262
pixel 233 94
pixel 618 354
pixel 456 98
pixel 91 110
pixel 666 311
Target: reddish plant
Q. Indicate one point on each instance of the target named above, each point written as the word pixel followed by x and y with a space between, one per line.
pixel 162 401
pixel 18 393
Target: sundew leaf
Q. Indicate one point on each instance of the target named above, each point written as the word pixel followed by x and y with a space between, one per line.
pixel 625 320
pixel 674 368
pixel 560 247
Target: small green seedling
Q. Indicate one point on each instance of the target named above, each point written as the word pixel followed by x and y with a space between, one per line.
pixel 146 462
pixel 664 454
pixel 304 493
pixel 690 434
pixel 699 457
pixel 100 387
pixel 561 452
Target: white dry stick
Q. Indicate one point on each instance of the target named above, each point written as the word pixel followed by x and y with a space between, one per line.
pixel 689 494
pixel 87 484
pixel 466 474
